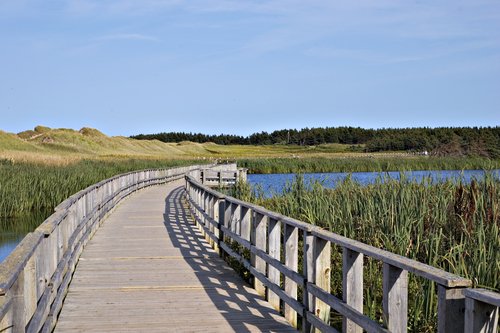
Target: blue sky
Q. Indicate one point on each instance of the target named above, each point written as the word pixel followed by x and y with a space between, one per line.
pixel 222 66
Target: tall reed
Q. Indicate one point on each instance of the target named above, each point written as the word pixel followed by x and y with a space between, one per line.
pixel 30 189
pixel 451 225
pixel 360 164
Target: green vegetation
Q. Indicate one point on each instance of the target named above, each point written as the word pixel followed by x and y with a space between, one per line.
pixel 65 146
pixel 450 225
pixel 365 164
pixel 443 141
pixel 30 188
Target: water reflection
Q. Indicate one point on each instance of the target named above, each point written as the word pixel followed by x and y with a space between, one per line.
pixel 13 230
pixel 8 241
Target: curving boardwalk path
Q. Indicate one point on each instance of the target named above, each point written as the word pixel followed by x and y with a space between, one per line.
pixel 148 269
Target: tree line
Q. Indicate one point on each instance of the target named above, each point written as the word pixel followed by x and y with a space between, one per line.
pixel 442 141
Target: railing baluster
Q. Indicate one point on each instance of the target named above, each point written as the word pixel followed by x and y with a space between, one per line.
pixel 235 218
pixel 202 218
pixel 228 216
pixel 206 211
pixel 274 237
pixel 246 223
pixel 222 222
pixel 322 258
pixel 210 226
pixel 198 202
pixel 395 298
pixel 480 317
pixel 481 311
pixel 451 309
pixel 291 261
pixel 352 285
pixel 259 239
pixel 308 266
pixel 216 215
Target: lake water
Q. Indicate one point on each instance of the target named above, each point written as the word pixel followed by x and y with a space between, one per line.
pixel 274 183
pixel 8 241
pixel 13 232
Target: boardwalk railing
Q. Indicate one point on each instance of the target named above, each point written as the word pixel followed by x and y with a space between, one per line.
pixel 34 278
pixel 272 245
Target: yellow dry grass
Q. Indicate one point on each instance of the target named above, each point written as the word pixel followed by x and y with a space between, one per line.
pixel 65 146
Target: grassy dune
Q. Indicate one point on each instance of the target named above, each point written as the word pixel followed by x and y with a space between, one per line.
pixel 63 146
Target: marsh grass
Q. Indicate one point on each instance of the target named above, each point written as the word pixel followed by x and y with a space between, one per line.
pixel 451 225
pixel 33 189
pixel 364 163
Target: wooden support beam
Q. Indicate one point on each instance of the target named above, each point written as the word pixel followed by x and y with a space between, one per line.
pixel 308 267
pixel 274 237
pixel 352 286
pixel 481 311
pixel 322 258
pixel 292 262
pixel 451 309
pixel 246 223
pixel 259 240
pixel 395 298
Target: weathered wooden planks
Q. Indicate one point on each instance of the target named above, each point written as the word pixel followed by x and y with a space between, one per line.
pixel 149 269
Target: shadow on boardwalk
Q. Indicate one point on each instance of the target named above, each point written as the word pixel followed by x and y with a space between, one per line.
pixel 240 306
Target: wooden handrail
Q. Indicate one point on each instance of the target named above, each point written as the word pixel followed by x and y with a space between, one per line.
pixel 273 241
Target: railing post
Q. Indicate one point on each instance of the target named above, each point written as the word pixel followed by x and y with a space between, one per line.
pixel 395 298
pixel 352 285
pixel 291 261
pixel 216 229
pixel 259 240
pixel 481 317
pixel 451 309
pixel 18 317
pixel 308 268
pixel 24 296
pixel 221 205
pixel 274 237
pixel 211 214
pixel 246 223
pixel 206 209
pixel 235 218
pixel 199 201
pixel 228 214
pixel 322 258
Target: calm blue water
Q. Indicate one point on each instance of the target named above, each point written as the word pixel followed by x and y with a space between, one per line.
pixel 274 183
pixel 8 241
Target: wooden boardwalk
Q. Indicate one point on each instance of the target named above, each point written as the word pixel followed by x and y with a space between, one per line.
pixel 148 269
